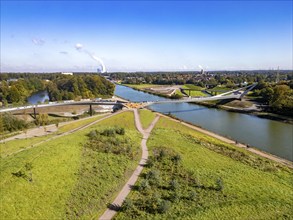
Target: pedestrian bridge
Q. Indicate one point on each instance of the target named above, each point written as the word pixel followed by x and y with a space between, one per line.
pixel 234 94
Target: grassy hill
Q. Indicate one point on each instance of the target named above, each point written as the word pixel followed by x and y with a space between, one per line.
pixel 193 176
pixel 64 179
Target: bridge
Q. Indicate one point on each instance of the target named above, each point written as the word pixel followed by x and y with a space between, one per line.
pixel 90 103
pixel 234 94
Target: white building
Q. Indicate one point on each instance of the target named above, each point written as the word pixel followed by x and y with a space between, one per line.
pixel 64 73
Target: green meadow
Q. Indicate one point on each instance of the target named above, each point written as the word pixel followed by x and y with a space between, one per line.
pixel 64 179
pixel 146 117
pixel 196 92
pixel 11 147
pixel 189 175
pixel 193 176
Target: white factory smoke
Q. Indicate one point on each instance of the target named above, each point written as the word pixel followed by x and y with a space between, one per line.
pixel 80 48
pixel 199 66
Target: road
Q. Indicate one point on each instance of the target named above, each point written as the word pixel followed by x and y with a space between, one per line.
pixel 114 207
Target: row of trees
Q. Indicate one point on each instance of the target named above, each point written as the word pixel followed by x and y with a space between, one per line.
pixel 16 88
pixel 279 97
pixel 79 86
pixel 19 90
pixel 212 78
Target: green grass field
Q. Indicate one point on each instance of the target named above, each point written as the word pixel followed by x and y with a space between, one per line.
pixel 213 180
pixel 146 117
pixel 191 86
pixel 11 147
pixel 67 180
pixel 79 123
pixel 219 90
pixel 194 93
pixel 142 86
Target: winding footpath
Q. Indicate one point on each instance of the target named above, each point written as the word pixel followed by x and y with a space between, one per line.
pixel 112 210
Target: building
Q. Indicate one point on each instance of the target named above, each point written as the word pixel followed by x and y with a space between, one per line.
pixel 64 73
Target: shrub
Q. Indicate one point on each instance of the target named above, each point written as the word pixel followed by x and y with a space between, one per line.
pixel 109 132
pixel 192 196
pixel 154 177
pixel 28 166
pixel 92 134
pixel 175 196
pixel 144 185
pixel 150 162
pixel 219 184
pixel 127 204
pixel 164 206
pixel 174 184
pixel 176 159
pixel 120 131
pixel 11 123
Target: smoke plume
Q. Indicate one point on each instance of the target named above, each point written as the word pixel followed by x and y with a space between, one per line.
pixel 80 48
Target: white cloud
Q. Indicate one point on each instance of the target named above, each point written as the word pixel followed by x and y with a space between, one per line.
pixel 78 46
pixel 38 41
pixel 63 52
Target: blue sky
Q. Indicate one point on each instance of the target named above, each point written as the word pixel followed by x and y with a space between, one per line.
pixel 44 36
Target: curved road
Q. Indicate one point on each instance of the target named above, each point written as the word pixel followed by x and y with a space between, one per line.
pixel 111 211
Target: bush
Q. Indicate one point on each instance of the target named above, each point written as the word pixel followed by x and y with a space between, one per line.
pixel 174 184
pixel 109 132
pixel 176 159
pixel 120 131
pixel 164 206
pixel 150 162
pixel 192 196
pixel 92 134
pixel 11 123
pixel 219 184
pixel 127 204
pixel 144 185
pixel 175 196
pixel 154 177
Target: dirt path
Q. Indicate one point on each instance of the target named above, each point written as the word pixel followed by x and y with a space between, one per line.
pixel 113 208
pixel 67 133
pixel 229 141
pixel 41 131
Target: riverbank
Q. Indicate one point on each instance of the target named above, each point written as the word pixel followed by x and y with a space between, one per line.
pixel 231 141
pixel 250 111
pixel 168 96
pixel 192 175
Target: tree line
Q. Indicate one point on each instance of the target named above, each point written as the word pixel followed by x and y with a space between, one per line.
pixel 211 78
pixel 16 88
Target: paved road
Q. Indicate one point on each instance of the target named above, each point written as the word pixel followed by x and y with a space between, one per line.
pixel 110 212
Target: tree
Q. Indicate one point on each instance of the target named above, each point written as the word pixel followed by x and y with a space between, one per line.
pixel 282 99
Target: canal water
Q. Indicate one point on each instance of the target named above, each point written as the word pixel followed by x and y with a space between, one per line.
pixel 267 135
pixel 38 97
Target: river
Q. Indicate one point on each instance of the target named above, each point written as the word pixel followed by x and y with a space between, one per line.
pixel 38 97
pixel 267 135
